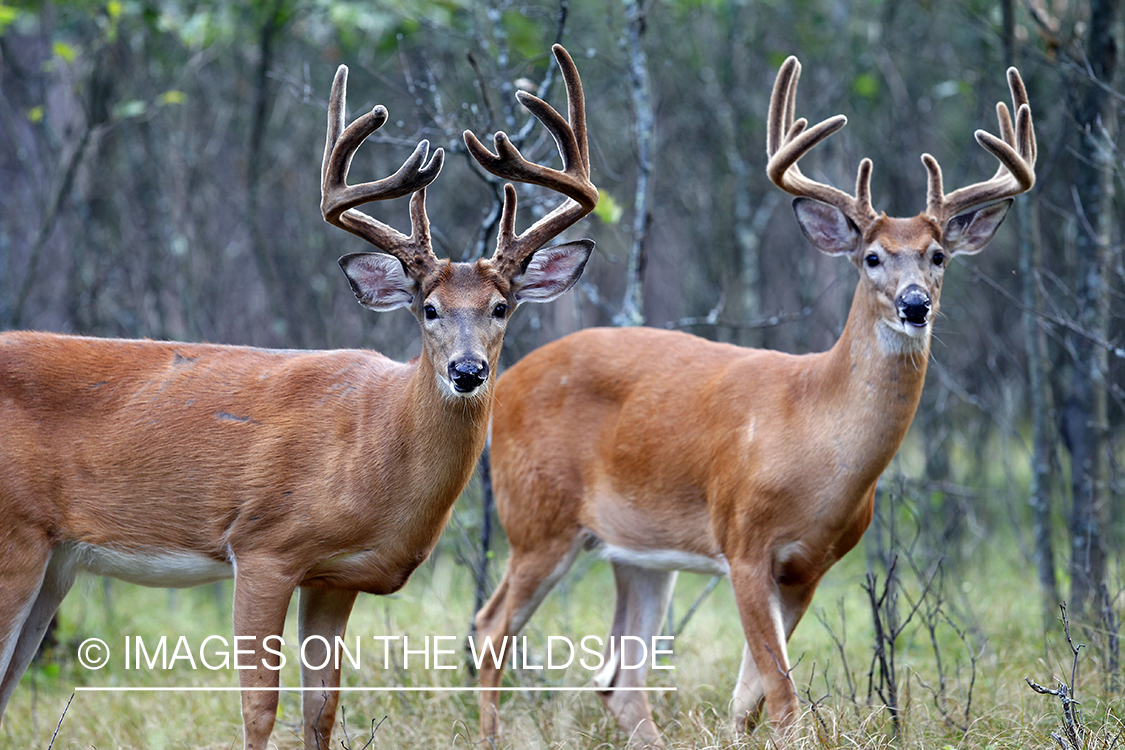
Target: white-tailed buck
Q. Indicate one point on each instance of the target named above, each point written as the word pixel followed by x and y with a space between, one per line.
pixel 171 464
pixel 750 463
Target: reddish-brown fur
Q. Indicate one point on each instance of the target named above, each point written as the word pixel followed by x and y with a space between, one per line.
pixel 595 436
pixel 210 449
pixel 273 464
pixel 670 452
pixel 173 464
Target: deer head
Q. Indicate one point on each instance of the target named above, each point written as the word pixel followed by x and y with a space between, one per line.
pixel 462 308
pixel 901 261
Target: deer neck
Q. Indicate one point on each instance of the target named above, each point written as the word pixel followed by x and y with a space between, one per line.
pixel 437 440
pixel 447 432
pixel 875 377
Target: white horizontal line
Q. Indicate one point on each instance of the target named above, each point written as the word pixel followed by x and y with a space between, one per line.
pixel 400 689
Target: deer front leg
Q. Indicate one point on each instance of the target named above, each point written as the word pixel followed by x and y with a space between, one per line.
pixel 324 613
pixel 749 692
pixel 761 609
pixel 261 597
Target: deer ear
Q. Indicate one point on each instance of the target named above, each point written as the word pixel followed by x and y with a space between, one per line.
pixel 826 226
pixel 551 271
pixel 378 280
pixel 968 233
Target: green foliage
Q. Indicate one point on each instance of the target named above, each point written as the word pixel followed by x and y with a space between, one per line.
pixel 525 36
pixel 199 27
pixel 66 52
pixel 608 209
pixel 363 23
pixel 171 96
pixel 866 85
pixel 368 28
pixel 8 15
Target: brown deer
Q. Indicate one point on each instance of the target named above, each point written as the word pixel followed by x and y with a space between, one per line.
pixel 750 463
pixel 173 464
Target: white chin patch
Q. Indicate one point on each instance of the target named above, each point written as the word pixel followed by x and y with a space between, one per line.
pixel 900 337
pixel 913 331
pixel 449 391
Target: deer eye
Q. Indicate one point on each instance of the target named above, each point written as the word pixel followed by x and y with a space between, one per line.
pixel 500 310
pixel 430 312
pixel 939 259
pixel 871 260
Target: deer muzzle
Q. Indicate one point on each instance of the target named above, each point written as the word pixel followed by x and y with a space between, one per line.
pixel 467 374
pixel 914 305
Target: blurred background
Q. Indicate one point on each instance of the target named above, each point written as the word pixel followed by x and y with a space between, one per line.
pixel 160 166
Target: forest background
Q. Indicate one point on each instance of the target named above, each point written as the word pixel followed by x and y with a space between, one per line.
pixel 159 177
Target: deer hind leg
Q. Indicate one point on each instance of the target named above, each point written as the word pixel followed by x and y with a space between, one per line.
pixel 34 578
pixel 528 579
pixel 643 595
pixel 324 613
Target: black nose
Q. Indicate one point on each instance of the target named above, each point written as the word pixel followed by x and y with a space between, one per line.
pixel 914 305
pixel 467 374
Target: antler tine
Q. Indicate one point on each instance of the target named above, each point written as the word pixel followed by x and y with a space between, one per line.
pixel 1015 149
pixel 573 181
pixel 787 140
pixel 339 200
pixel 781 110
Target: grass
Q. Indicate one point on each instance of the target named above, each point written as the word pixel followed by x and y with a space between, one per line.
pixel 1000 606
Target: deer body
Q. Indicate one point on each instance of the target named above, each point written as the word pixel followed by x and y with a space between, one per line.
pixel 290 440
pixel 763 470
pixel 334 472
pixel 719 465
pixel 669 452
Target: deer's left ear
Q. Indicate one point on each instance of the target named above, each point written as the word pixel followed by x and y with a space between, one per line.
pixel 827 227
pixel 968 233
pixel 551 271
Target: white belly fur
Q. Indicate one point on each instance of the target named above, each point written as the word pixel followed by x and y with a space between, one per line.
pixel 160 568
pixel 668 559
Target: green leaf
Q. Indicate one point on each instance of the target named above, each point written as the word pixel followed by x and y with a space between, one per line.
pixel 608 209
pixel 866 85
pixel 64 51
pixel 8 14
pixel 35 114
pixel 172 96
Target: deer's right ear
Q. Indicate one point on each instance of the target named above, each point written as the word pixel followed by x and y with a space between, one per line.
pixel 968 233
pixel 378 280
pixel 551 271
pixel 826 226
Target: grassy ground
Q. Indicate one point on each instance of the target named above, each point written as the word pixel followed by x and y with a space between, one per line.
pixel 998 609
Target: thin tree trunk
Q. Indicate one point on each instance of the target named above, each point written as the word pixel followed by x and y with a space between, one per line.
pixel 1085 422
pixel 1038 370
pixel 287 293
pixel 1043 439
pixel 632 309
pixel 487 504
